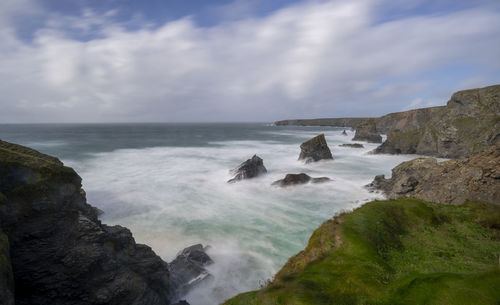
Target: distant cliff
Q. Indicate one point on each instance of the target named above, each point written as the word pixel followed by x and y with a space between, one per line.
pixel 469 122
pixel 340 122
pixel 54 250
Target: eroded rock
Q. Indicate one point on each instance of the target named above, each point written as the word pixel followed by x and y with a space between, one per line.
pixel 295 179
pixel 315 149
pixel 367 131
pixel 249 169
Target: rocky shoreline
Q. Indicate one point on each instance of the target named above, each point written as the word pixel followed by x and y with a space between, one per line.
pixel 469 122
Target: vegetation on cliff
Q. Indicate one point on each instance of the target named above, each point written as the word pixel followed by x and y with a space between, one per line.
pixel 405 251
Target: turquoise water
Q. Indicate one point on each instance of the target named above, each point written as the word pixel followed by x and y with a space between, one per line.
pixel 167 183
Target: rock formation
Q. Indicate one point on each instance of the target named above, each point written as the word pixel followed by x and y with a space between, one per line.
pixel 188 268
pixel 354 145
pixel 340 122
pixel 344 133
pixel 470 122
pixel 367 131
pixel 315 149
pixel 294 179
pixel 60 253
pixel 476 177
pixel 249 169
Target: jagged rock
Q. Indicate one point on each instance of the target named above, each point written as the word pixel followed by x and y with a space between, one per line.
pixel 468 123
pixel 188 268
pixel 249 169
pixel 294 179
pixel 344 133
pixel 315 149
pixel 476 177
pixel 367 131
pixel 60 253
pixel 355 145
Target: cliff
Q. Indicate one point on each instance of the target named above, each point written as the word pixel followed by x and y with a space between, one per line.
pixel 340 122
pixel 469 122
pixel 54 250
pixel 476 177
pixel 404 251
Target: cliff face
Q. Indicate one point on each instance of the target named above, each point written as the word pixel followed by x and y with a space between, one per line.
pixel 406 120
pixel 476 177
pixel 468 123
pixel 339 122
pixel 60 253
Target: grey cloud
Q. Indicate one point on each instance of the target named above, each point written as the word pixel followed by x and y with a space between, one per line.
pixel 309 60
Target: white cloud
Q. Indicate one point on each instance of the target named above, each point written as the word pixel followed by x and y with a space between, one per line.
pixel 312 59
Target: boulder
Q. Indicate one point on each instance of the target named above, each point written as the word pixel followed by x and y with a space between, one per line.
pixel 294 179
pixel 476 177
pixel 315 149
pixel 354 145
pixel 188 268
pixel 249 169
pixel 367 131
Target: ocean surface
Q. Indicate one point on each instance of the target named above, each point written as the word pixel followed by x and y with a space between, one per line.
pixel 167 184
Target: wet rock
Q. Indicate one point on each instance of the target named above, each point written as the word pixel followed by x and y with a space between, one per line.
pixel 449 182
pixel 249 169
pixel 295 179
pixel 367 131
pixel 355 145
pixel 344 133
pixel 315 149
pixel 60 253
pixel 188 268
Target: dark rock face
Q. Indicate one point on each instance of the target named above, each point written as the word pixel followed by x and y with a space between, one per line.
pixel 295 179
pixel 468 123
pixel 344 133
pixel 355 145
pixel 249 169
pixel 476 177
pixel 6 276
pixel 367 131
pixel 315 149
pixel 60 253
pixel 188 268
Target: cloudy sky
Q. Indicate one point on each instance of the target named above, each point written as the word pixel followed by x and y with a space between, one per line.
pixel 225 60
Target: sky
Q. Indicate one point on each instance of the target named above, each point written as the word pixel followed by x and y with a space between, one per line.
pixel 239 61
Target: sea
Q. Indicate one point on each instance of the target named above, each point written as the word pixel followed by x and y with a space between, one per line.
pixel 167 183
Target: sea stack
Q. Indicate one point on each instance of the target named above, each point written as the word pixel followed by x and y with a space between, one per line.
pixel 315 149
pixel 249 169
pixel 367 131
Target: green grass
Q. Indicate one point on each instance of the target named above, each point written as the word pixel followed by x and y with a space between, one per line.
pixel 395 252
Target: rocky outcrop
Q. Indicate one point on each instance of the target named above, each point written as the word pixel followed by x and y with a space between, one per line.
pixel 188 268
pixel 60 253
pixel 315 149
pixel 295 179
pixel 339 122
pixel 6 276
pixel 354 145
pixel 476 177
pixel 367 131
pixel 406 120
pixel 251 168
pixel 469 123
pixel 344 133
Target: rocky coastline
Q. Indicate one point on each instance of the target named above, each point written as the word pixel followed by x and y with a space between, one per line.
pixel 469 122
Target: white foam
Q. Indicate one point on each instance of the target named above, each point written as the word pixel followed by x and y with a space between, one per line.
pixel 173 197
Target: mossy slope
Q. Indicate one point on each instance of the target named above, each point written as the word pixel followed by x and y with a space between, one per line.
pixel 404 251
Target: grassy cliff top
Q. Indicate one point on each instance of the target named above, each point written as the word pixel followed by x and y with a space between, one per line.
pixel 394 252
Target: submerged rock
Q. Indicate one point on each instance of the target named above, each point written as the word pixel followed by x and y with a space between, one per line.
pixel 188 268
pixel 315 149
pixel 367 131
pixel 249 169
pixel 476 177
pixel 355 145
pixel 294 179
